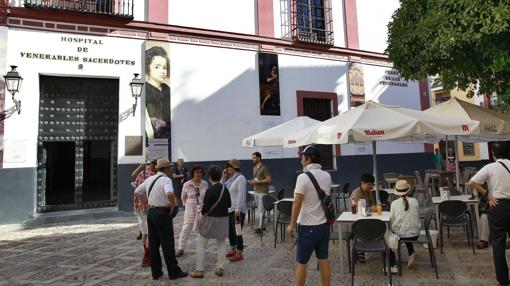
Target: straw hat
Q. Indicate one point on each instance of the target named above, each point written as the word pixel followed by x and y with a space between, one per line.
pixel 234 163
pixel 162 163
pixel 402 188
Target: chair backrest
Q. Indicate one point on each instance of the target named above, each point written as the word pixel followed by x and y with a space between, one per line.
pixel 346 189
pixel 419 181
pixel 452 209
pixel 443 178
pixel 281 194
pixel 369 229
pixel 411 180
pixel 426 182
pixel 268 202
pixel 383 196
pixel 390 175
pixel 285 208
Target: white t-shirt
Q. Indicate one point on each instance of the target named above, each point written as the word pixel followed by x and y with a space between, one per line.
pixel 497 178
pixel 162 186
pixel 312 212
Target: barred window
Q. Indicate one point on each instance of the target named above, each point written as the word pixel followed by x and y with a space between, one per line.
pixel 312 21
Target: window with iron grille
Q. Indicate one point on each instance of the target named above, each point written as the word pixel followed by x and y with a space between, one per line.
pixel 312 21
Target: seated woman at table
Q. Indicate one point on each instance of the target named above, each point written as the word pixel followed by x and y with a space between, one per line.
pixel 404 221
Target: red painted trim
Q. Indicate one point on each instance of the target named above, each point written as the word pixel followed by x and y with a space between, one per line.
pixel 265 21
pixel 4 5
pixel 115 22
pixel 157 11
pixel 351 24
pixel 302 94
pixel 425 103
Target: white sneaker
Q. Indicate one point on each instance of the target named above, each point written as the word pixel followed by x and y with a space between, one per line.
pixel 394 269
pixel 412 260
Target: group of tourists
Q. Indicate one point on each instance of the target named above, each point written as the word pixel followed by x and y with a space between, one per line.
pixel 214 206
pixel 216 209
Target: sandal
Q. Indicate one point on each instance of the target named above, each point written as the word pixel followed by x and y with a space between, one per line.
pixel 219 272
pixel 482 244
pixel 361 257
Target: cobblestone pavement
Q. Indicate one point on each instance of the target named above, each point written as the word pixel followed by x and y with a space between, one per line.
pixel 105 252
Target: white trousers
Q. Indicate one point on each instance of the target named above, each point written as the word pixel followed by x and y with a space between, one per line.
pixel 202 246
pixel 484 228
pixel 183 238
pixel 142 222
pixel 260 207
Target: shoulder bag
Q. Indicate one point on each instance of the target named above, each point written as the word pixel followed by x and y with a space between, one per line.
pixel 201 219
pixel 394 238
pixel 326 200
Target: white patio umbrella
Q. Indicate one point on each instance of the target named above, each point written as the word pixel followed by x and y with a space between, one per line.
pixel 493 126
pixel 274 136
pixel 372 122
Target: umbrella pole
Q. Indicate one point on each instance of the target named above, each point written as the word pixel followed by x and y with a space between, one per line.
pixel 445 153
pixel 374 159
pixel 457 167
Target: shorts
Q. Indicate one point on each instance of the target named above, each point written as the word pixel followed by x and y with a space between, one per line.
pixel 310 238
pixel 142 222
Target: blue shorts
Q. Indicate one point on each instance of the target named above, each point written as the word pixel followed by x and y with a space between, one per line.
pixel 310 238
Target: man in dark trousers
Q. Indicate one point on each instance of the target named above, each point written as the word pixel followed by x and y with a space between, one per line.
pixel 159 191
pixel 497 176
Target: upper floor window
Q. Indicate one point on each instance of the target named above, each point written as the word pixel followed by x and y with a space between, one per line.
pixel 311 21
pixel 119 8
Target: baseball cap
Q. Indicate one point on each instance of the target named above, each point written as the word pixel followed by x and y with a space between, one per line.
pixel 311 151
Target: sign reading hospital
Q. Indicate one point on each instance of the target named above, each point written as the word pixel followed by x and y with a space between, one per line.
pixel 84 46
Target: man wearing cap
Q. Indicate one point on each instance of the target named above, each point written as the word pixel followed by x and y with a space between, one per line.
pixel 236 185
pixel 308 212
pixel 497 176
pixel 144 171
pixel 261 180
pixel 158 191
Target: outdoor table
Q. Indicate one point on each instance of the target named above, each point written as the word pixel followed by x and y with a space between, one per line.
pixel 390 181
pixel 253 192
pixel 473 203
pixel 349 217
pixel 275 211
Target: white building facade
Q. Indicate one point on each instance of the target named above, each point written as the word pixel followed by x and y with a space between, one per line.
pixel 77 140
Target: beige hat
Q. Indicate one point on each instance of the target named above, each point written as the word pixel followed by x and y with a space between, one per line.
pixel 402 187
pixel 236 164
pixel 162 163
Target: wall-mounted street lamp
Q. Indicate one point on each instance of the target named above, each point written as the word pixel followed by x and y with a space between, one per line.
pixel 136 89
pixel 13 83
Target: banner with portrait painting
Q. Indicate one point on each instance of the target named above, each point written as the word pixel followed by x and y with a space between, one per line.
pixel 269 84
pixel 157 109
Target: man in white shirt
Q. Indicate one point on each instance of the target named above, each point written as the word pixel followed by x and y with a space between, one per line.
pixel 159 191
pixel 497 176
pixel 307 210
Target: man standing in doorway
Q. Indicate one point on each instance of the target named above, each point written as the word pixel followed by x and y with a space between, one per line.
pixel 161 200
pixel 180 176
pixel 309 213
pixel 497 176
pixel 261 180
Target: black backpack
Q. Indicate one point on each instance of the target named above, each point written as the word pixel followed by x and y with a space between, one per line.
pixel 326 200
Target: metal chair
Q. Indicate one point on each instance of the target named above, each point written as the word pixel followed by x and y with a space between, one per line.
pixel 268 204
pixel 284 214
pixel 250 206
pixel 421 239
pixel 347 237
pixel 385 199
pixel 389 179
pixel 280 195
pixel 344 195
pixel 369 237
pixel 455 213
